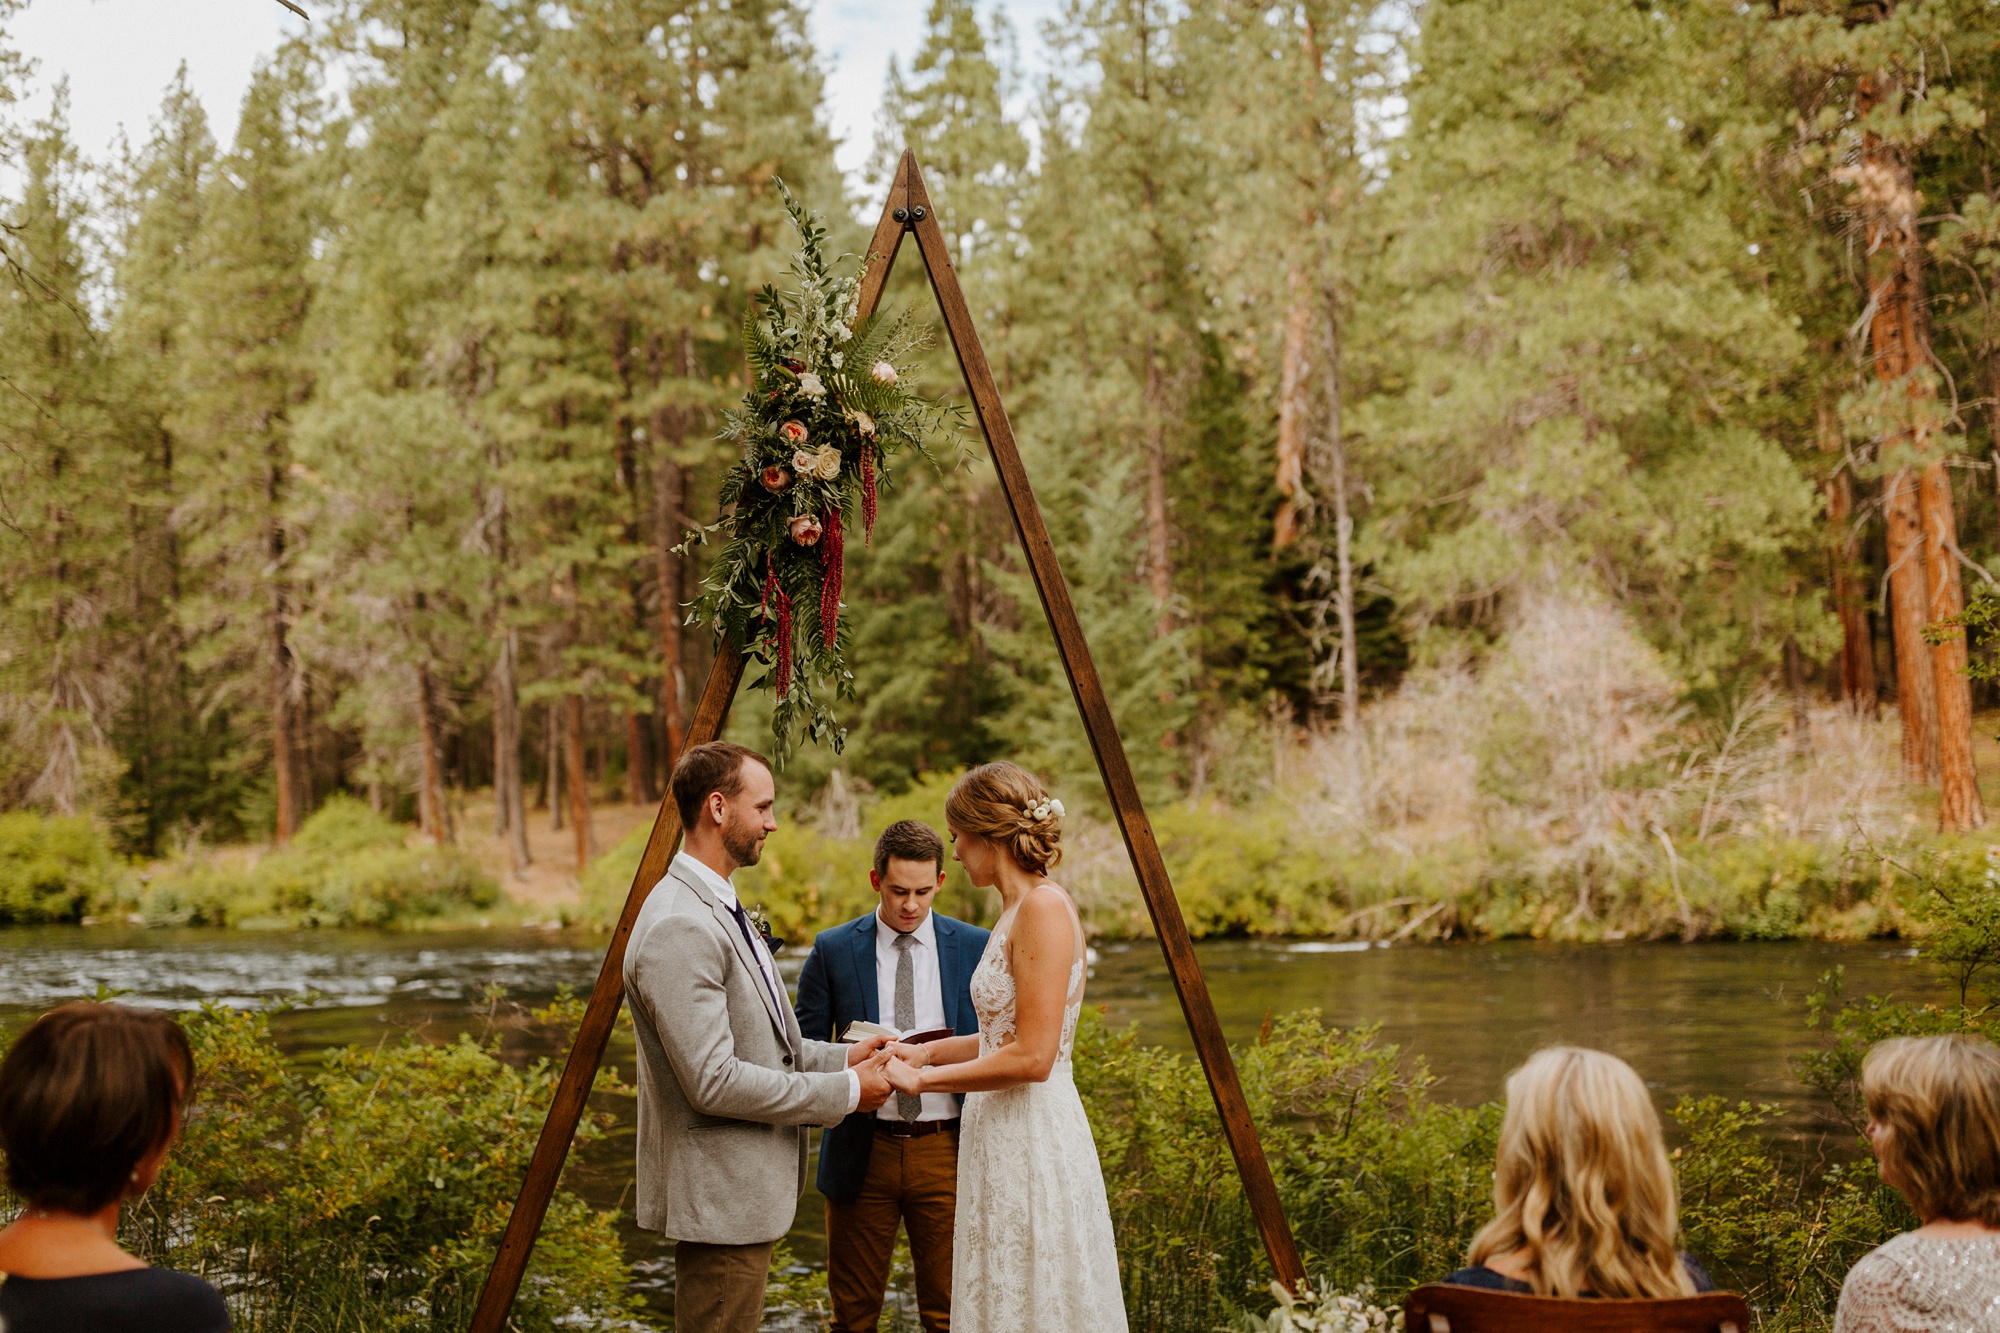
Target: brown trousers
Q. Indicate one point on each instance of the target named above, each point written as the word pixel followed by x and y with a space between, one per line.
pixel 720 1288
pixel 911 1179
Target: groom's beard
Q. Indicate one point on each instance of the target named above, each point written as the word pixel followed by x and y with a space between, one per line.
pixel 743 841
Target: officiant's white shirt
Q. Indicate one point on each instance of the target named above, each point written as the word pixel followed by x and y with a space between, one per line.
pixel 768 965
pixel 930 1001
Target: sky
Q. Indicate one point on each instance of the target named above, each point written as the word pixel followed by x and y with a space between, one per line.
pixel 120 54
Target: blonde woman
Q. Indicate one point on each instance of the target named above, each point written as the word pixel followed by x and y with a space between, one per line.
pixel 1934 1123
pixel 1584 1199
pixel 1032 1244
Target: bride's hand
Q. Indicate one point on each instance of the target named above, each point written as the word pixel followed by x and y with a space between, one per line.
pixel 904 1078
pixel 916 1057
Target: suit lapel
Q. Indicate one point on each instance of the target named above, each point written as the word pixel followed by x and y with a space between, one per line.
pixel 947 957
pixel 862 959
pixel 727 920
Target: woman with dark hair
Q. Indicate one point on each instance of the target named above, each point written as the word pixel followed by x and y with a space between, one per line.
pixel 90 1102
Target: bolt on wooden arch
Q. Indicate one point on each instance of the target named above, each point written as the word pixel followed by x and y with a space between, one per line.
pixel 908 211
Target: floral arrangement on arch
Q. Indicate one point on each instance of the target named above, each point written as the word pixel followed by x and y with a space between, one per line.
pixel 826 412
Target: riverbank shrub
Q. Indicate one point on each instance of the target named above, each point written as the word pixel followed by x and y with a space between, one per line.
pixel 347 866
pixel 55 868
pixel 368 1192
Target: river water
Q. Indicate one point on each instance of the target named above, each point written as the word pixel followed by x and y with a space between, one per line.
pixel 1699 1018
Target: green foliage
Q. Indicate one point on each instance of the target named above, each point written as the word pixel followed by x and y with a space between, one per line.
pixel 1781 1234
pixel 367 1192
pixel 348 867
pixel 56 868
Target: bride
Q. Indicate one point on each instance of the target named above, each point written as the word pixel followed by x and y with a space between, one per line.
pixel 1032 1246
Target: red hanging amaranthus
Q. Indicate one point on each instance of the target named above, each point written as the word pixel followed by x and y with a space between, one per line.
pixel 833 555
pixel 867 495
pixel 784 674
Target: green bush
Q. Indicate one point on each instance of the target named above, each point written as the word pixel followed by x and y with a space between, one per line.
pixel 369 1192
pixel 348 866
pixel 55 868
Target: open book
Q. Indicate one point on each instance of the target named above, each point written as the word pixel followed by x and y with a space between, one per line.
pixel 861 1029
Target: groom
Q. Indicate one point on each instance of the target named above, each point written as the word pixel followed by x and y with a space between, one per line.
pixel 727 1083
pixel 906 965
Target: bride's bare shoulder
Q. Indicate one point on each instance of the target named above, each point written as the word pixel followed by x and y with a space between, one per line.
pixel 1047 903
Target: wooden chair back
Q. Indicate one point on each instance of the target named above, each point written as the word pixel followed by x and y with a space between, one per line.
pixel 1442 1309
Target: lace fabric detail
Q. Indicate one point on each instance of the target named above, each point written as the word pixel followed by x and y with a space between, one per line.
pixel 992 990
pixel 1033 1246
pixel 1923 1284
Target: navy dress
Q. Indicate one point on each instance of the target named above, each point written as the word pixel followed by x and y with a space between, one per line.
pixel 134 1300
pixel 1481 1276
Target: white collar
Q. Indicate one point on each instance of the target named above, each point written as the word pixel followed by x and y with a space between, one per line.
pixel 703 875
pixel 925 934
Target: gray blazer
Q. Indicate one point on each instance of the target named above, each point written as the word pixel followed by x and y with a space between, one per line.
pixel 727 1085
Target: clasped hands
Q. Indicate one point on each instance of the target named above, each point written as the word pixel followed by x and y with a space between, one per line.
pixel 886 1067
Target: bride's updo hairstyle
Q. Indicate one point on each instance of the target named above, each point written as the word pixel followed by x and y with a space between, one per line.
pixel 1007 804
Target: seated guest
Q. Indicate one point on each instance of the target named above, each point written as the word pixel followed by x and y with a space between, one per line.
pixel 90 1102
pixel 1584 1199
pixel 909 966
pixel 1934 1123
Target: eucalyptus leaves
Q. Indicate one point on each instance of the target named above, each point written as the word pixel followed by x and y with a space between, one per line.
pixel 826 411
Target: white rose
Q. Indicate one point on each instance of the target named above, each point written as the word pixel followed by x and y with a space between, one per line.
pixel 837 359
pixel 822 464
pixel 883 373
pixel 810 386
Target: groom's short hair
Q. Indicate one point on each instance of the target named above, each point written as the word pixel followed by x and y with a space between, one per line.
pixel 908 840
pixel 714 767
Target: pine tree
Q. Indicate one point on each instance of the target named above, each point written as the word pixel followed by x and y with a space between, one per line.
pixel 1574 353
pixel 951 110
pixel 174 756
pixel 246 375
pixel 61 472
pixel 1875 108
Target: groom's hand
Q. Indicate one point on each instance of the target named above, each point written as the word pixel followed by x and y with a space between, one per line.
pixel 875 1087
pixel 865 1048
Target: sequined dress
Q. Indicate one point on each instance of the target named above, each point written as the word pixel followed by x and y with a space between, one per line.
pixel 1032 1247
pixel 1924 1284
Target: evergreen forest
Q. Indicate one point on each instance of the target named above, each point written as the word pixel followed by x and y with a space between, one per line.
pixel 1568 429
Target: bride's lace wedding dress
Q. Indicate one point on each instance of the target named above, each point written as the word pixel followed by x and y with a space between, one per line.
pixel 1032 1248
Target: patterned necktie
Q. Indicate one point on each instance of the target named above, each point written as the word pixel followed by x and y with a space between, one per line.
pixel 907 1104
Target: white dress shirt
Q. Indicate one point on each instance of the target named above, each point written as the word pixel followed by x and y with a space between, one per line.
pixel 766 964
pixel 930 1001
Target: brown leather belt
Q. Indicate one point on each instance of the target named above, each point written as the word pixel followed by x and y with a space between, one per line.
pixel 910 1129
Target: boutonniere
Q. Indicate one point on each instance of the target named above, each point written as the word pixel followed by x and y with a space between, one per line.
pixel 762 923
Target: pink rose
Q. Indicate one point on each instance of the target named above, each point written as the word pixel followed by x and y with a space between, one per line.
pixel 793 432
pixel 806 530
pixel 775 478
pixel 883 373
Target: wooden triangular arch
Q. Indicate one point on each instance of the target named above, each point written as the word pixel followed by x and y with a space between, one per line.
pixel 909 211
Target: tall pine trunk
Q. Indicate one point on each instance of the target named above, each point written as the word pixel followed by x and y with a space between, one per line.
pixel 1899 336
pixel 433 810
pixel 510 807
pixel 1856 679
pixel 1292 365
pixel 1916 685
pixel 1159 541
pixel 284 713
pixel 576 779
pixel 670 479
pixel 1343 525
pixel 1959 807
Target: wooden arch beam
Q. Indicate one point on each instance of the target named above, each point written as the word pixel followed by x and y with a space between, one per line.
pixel 908 211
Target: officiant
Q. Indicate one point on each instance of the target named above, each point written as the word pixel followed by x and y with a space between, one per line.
pixel 906 966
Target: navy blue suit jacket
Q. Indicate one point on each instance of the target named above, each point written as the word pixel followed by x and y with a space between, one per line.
pixel 839 986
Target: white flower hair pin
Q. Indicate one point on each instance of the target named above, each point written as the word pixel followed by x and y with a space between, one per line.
pixel 1047 806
